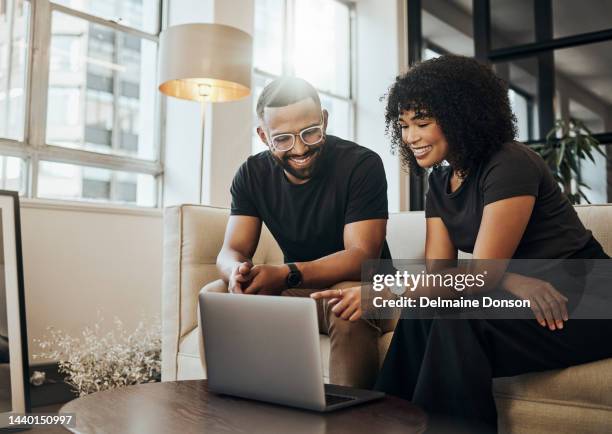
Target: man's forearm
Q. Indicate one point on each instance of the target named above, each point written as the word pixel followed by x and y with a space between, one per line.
pixel 337 267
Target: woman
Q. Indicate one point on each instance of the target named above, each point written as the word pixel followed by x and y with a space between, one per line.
pixel 496 199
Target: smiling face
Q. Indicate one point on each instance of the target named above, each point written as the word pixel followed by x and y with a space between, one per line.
pixel 424 137
pixel 300 162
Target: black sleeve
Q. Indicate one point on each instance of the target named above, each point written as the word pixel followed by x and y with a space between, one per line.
pixel 367 195
pixel 510 174
pixel 242 198
pixel 430 207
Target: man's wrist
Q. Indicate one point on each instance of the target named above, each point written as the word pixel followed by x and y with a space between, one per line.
pixel 294 278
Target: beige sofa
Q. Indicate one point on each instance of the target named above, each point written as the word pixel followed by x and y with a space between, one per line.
pixel 578 399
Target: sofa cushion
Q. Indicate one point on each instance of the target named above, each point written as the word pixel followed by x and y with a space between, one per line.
pixel 598 219
pixel 587 385
pixel 189 365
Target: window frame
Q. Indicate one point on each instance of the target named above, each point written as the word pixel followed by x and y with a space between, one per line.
pixel 34 148
pixel 288 69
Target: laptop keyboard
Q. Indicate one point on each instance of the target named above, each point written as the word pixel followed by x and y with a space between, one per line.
pixel 337 399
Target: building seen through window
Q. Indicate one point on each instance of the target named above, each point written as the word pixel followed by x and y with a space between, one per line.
pixel 310 39
pixel 101 99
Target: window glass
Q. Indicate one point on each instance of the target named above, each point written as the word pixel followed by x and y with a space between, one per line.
pixel 14 35
pixel 259 83
pixel 268 41
pixel 572 17
pixel 582 75
pixel 12 174
pixel 512 22
pixel 443 34
pixel 101 89
pixel 75 182
pixel 339 123
pixel 522 77
pixel 140 14
pixel 321 53
pixel 520 108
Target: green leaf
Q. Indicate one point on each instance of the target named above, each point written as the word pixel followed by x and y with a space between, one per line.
pixel 561 153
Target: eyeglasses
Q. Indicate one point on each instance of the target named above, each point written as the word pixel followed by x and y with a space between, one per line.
pixel 310 136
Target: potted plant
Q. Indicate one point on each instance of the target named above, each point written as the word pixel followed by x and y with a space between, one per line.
pixel 567 144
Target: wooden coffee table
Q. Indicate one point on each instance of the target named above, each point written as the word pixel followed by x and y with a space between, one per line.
pixel 188 407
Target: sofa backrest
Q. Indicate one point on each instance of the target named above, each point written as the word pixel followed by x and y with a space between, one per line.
pixel 406 230
pixel 598 218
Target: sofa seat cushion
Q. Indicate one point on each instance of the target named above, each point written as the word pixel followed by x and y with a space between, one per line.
pixel 189 343
pixel 588 385
pixel 189 365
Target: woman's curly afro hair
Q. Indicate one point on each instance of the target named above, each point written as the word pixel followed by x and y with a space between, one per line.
pixel 467 100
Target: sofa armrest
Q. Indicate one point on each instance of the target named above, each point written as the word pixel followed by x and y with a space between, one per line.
pixel 193 235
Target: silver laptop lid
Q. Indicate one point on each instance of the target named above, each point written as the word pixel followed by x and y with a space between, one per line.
pixel 263 347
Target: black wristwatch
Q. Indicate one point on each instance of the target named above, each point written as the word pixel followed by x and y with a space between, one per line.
pixel 294 278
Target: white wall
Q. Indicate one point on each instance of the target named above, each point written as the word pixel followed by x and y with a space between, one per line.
pixel 79 259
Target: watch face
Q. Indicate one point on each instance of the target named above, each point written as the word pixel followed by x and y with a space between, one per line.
pixel 294 279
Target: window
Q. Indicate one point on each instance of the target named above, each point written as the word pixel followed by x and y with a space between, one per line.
pixel 310 39
pixel 560 79
pixel 100 138
pixel 555 57
pixel 522 108
pixel 14 37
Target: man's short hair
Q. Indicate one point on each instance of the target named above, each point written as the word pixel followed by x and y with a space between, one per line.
pixel 285 91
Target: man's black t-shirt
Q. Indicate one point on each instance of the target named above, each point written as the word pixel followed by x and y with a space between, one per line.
pixel 554 230
pixel 307 220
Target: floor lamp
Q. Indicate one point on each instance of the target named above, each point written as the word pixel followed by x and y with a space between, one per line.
pixel 207 63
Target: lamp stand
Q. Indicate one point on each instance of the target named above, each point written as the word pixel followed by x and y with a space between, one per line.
pixel 202 146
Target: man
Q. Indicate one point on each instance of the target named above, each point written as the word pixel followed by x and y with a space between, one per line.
pixel 324 200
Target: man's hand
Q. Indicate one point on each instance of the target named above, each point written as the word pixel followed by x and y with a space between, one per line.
pixel 347 301
pixel 548 304
pixel 267 279
pixel 240 277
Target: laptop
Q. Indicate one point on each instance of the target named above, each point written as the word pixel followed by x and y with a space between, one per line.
pixel 267 348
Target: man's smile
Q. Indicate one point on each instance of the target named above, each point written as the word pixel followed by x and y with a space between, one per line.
pixel 304 160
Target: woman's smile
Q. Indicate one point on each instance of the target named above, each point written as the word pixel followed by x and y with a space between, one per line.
pixel 421 151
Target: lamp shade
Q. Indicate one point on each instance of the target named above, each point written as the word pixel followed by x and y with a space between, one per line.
pixel 205 62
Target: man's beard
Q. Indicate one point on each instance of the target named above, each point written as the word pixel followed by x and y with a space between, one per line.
pixel 307 172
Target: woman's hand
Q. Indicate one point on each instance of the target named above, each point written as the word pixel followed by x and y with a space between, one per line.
pixel 347 301
pixel 548 304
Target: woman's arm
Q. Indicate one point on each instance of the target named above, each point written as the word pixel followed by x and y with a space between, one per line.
pixel 438 246
pixel 501 229
pixel 502 226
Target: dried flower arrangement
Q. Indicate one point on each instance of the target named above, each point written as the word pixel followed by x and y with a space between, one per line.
pixel 97 361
